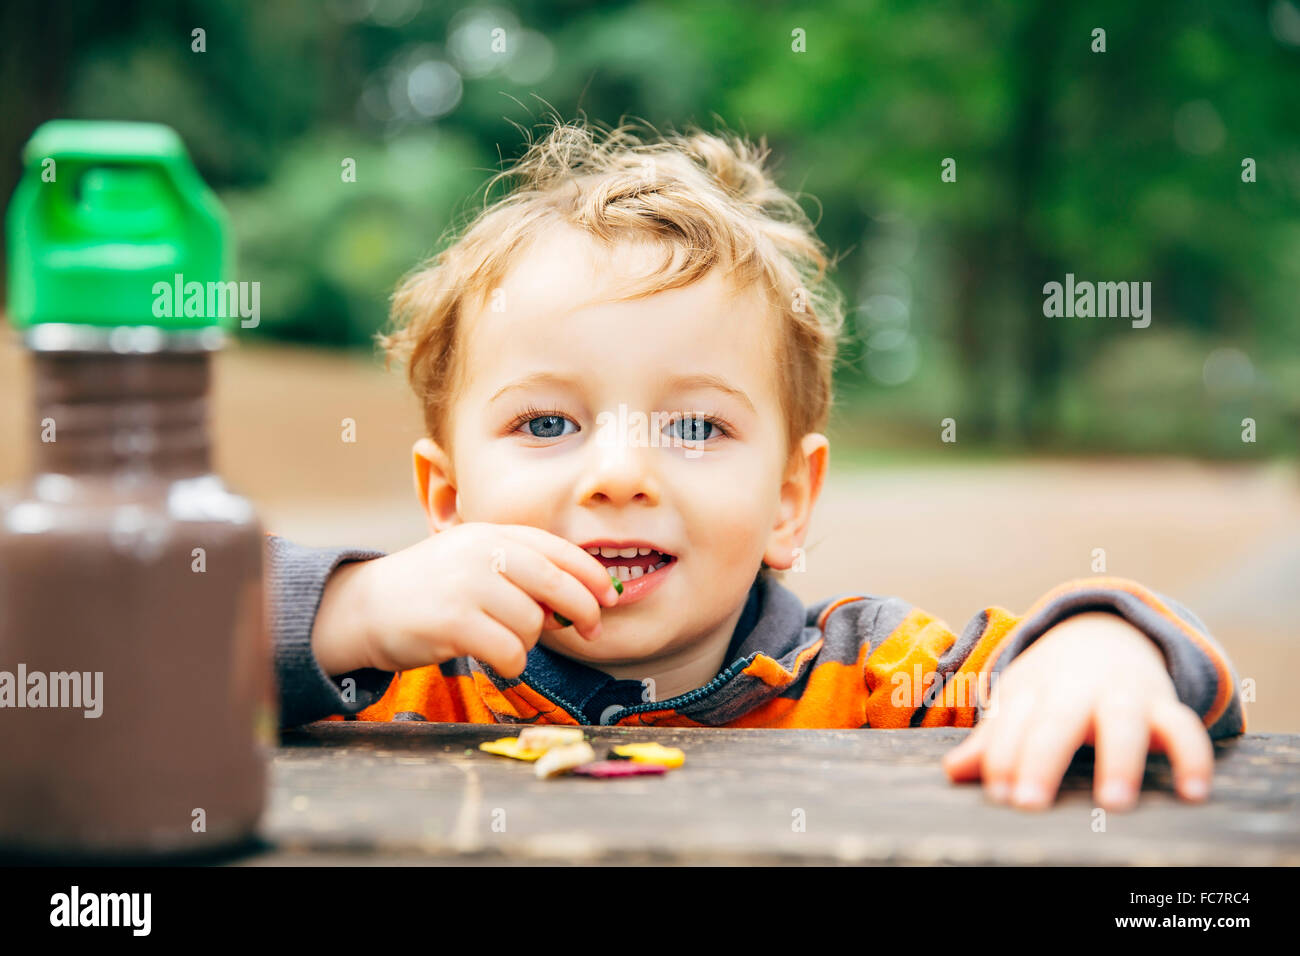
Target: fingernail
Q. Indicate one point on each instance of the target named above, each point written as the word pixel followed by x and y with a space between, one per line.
pixel 563 621
pixel 999 791
pixel 1116 794
pixel 1029 794
pixel 1195 788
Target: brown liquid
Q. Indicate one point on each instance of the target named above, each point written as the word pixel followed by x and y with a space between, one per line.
pixel 97 574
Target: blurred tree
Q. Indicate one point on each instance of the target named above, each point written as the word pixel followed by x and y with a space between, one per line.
pixel 1123 165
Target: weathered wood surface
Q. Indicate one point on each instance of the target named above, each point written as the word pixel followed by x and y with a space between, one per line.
pixel 379 793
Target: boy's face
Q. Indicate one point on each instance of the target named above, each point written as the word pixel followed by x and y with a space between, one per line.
pixel 716 497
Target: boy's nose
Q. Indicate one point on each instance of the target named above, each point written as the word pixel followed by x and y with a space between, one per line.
pixel 619 472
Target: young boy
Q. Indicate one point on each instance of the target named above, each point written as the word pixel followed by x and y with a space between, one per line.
pixel 625 368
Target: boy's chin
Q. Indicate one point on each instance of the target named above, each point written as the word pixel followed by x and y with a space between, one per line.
pixel 605 649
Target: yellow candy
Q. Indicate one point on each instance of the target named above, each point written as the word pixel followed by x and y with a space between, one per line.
pixel 509 747
pixel 546 737
pixel 652 753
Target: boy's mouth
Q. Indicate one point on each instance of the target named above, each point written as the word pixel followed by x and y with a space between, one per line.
pixel 629 559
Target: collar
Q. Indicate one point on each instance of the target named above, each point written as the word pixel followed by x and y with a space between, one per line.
pixel 773 625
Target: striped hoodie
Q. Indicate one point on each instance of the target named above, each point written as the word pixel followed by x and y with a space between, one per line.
pixel 850 660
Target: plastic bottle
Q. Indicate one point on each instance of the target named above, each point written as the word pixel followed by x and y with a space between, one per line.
pixel 130 576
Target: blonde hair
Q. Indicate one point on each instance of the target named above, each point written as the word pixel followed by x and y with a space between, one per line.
pixel 708 200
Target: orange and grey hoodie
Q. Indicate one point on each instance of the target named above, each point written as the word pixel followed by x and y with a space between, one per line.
pixel 850 660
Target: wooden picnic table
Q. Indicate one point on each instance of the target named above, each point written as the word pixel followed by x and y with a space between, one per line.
pixel 358 792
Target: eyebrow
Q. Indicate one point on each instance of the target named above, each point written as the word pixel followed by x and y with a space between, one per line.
pixel 677 382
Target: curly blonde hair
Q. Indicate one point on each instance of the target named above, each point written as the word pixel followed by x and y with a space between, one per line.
pixel 707 200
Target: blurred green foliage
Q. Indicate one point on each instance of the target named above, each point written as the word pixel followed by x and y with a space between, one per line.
pixel 327 257
pixel 1123 165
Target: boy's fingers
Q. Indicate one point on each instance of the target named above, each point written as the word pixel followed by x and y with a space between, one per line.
pixel 1122 733
pixel 1005 733
pixel 1056 730
pixel 494 644
pixel 964 758
pixel 568 557
pixel 1178 731
pixel 554 587
pixel 963 761
pixel 555 621
pixel 514 608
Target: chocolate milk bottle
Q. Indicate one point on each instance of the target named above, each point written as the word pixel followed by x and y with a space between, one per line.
pixel 136 691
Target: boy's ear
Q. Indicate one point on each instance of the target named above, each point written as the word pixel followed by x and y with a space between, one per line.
pixel 434 485
pixel 799 492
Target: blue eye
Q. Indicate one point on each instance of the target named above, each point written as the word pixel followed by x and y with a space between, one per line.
pixel 687 429
pixel 699 428
pixel 547 426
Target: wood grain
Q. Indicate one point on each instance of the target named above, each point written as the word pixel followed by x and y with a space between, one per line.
pixel 394 793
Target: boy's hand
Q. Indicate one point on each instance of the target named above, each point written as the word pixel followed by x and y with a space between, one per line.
pixel 476 589
pixel 1093 679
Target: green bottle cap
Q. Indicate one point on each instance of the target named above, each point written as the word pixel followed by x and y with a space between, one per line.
pixel 108 220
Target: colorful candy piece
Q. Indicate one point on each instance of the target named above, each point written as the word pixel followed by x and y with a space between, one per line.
pixel 565 622
pixel 618 768
pixel 546 737
pixel 652 753
pixel 560 760
pixel 509 747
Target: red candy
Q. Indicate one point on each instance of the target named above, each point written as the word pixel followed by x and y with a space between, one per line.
pixel 617 768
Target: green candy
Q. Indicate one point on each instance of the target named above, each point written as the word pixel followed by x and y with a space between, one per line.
pixel 565 622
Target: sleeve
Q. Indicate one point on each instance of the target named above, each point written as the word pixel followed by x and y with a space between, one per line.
pixel 295 581
pixel 919 673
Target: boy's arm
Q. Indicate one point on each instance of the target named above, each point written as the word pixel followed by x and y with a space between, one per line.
pixel 295 581
pixel 920 674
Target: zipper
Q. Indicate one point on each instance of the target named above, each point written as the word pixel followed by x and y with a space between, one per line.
pixel 559 702
pixel 674 703
pixel 689 697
